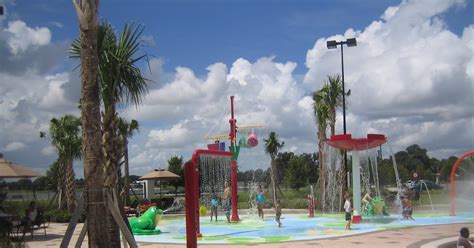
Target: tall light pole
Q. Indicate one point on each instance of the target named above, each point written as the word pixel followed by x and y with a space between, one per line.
pixel 332 44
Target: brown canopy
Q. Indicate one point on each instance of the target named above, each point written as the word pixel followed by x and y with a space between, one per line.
pixel 159 175
pixel 11 170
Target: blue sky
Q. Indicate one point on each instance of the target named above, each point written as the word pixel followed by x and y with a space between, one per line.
pixel 411 74
pixel 197 33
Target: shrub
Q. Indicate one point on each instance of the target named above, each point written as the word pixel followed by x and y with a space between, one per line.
pixel 57 215
pixel 7 243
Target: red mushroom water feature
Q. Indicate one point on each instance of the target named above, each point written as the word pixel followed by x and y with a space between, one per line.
pixel 345 142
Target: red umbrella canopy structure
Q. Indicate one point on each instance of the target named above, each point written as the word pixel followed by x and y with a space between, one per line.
pixel 347 143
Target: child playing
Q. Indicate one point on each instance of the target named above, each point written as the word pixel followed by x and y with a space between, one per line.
pixel 407 208
pixel 214 204
pixel 226 201
pixel 260 201
pixel 278 212
pixel 348 210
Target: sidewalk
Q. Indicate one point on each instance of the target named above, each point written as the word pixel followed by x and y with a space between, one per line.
pixel 406 237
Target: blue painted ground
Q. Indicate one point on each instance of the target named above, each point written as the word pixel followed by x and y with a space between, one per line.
pixel 295 227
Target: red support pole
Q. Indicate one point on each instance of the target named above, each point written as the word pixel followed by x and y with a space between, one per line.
pixel 233 163
pixel 311 206
pixel 233 171
pixel 196 200
pixel 453 185
pixel 191 226
pixel 232 123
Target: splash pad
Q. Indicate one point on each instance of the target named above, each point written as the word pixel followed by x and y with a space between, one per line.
pixel 296 227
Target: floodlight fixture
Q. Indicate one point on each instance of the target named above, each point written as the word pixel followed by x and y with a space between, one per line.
pixel 352 42
pixel 331 44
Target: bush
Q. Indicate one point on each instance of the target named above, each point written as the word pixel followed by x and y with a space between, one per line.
pixel 295 204
pixel 290 199
pixel 7 243
pixel 16 207
pixel 57 215
pixel 19 207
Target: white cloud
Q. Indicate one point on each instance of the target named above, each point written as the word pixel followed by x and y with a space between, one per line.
pixel 148 40
pixel 14 146
pixel 22 37
pixel 173 137
pixel 55 95
pixel 48 151
pixel 57 24
pixel 411 78
pixel 196 107
pixel 31 95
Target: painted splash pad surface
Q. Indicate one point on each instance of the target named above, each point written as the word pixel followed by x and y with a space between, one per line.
pixel 296 227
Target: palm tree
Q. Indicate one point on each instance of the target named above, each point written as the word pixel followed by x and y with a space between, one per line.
pixel 65 136
pixel 121 82
pixel 126 131
pixel 333 99
pixel 90 117
pixel 272 147
pixel 321 115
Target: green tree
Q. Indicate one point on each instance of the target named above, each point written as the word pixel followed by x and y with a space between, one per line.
pixel 296 173
pixel 386 173
pixel 24 183
pixel 310 167
pixel 272 147
pixel 126 130
pixel 53 175
pixel 446 167
pixel 416 152
pixel 66 138
pixel 175 165
pixel 282 162
pixel 41 183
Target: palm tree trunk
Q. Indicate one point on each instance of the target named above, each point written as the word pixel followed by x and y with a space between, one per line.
pixel 273 177
pixel 342 174
pixel 322 180
pixel 62 199
pixel 70 186
pixel 279 189
pixel 90 118
pixel 342 170
pixel 110 147
pixel 127 173
pixel 111 156
pixel 332 121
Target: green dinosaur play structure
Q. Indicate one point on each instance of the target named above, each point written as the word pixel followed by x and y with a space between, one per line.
pixel 376 207
pixel 146 223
